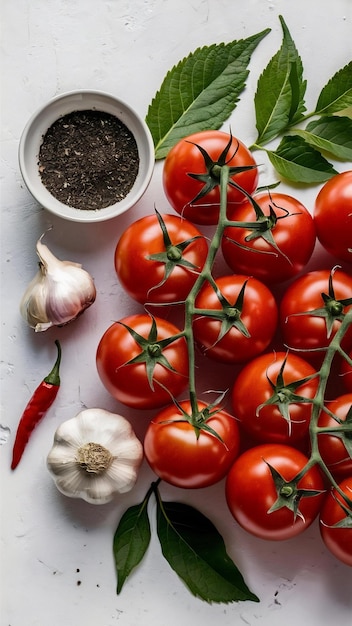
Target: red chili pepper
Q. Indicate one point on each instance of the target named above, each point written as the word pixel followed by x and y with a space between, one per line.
pixel 36 408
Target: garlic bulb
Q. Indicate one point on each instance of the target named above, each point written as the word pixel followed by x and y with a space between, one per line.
pixel 94 456
pixel 60 292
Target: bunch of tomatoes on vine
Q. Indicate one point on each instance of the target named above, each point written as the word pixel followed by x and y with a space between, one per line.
pixel 281 435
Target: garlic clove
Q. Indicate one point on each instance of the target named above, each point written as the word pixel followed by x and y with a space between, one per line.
pixel 58 294
pixel 99 491
pixel 32 306
pixel 122 473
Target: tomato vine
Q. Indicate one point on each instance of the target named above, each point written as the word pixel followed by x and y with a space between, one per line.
pixel 180 526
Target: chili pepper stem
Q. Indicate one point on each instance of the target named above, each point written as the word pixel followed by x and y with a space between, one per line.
pixel 53 378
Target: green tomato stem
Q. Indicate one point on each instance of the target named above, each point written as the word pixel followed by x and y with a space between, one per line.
pixel 318 403
pixel 205 275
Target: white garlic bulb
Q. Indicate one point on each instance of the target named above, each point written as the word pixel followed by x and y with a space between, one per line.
pixel 94 456
pixel 60 292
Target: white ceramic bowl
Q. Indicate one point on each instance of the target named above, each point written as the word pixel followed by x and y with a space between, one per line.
pixel 36 127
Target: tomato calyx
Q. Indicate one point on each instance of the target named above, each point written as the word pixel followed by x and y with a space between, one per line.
pixel 212 175
pixel 198 417
pixel 263 227
pixel 151 350
pixel 333 309
pixel 346 505
pixel 342 430
pixel 172 255
pixel 289 495
pixel 229 315
pixel 285 394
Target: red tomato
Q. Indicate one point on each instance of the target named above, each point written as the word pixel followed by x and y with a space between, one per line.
pixel 333 216
pixel 338 540
pixel 129 382
pixel 187 459
pixel 309 331
pixel 248 323
pixel 185 159
pixel 142 276
pixel 259 382
pixel 287 222
pixel 331 447
pixel 346 373
pixel 251 492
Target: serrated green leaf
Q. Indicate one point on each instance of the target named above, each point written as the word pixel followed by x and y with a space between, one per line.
pixel 131 541
pixel 196 552
pixel 279 99
pixel 330 134
pixel 200 92
pixel 297 161
pixel 337 93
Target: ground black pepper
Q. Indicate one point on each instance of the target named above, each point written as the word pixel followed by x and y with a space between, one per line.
pixel 88 160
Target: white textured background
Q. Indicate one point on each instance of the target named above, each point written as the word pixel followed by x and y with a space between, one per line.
pixel 49 543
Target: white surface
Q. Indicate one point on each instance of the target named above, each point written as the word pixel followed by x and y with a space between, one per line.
pixel 48 542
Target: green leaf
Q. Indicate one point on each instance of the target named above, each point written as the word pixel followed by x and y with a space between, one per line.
pixel 337 93
pixel 330 134
pixel 345 112
pixel 131 541
pixel 299 162
pixel 196 552
pixel 279 99
pixel 200 92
